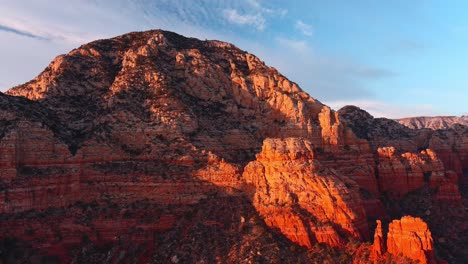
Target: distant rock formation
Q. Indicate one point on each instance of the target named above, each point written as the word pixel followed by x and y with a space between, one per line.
pixel 400 174
pixel 433 122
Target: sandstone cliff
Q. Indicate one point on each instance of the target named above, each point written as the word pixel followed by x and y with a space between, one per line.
pixel 378 247
pixel 411 237
pixel 420 173
pixel 408 237
pixel 306 201
pixel 408 161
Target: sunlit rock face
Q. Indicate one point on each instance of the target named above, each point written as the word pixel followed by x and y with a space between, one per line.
pixel 378 247
pixel 302 198
pixel 406 158
pixel 411 237
pixel 125 145
pixel 420 172
pixel 400 174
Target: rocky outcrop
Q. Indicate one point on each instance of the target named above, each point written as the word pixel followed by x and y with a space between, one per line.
pixel 450 145
pixel 411 237
pixel 408 237
pixel 306 201
pixel 406 162
pixel 380 131
pixel 433 122
pixel 378 247
pixel 400 174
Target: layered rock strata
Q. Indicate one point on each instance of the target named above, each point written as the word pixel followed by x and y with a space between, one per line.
pixel 308 202
pixel 408 237
pixel 378 247
pixel 411 237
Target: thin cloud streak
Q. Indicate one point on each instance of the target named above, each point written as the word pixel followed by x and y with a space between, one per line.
pixel 323 77
pixel 304 28
pixel 44 31
pixel 369 73
pixel 298 46
pixel 21 32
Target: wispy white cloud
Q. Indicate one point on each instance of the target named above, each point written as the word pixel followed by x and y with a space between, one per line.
pixel 281 12
pixel 388 110
pixel 43 31
pixel 304 28
pixel 256 20
pixel 322 76
pixel 298 46
pixel 252 13
pixel 254 4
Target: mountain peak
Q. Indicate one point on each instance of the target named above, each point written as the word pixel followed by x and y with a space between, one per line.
pixel 184 84
pixel 95 65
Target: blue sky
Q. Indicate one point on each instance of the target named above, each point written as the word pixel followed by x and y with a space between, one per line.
pixel 392 58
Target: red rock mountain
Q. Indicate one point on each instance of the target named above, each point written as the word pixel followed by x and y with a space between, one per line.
pixel 433 122
pixel 154 147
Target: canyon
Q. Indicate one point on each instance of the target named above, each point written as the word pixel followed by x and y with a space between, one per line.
pixel 154 147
